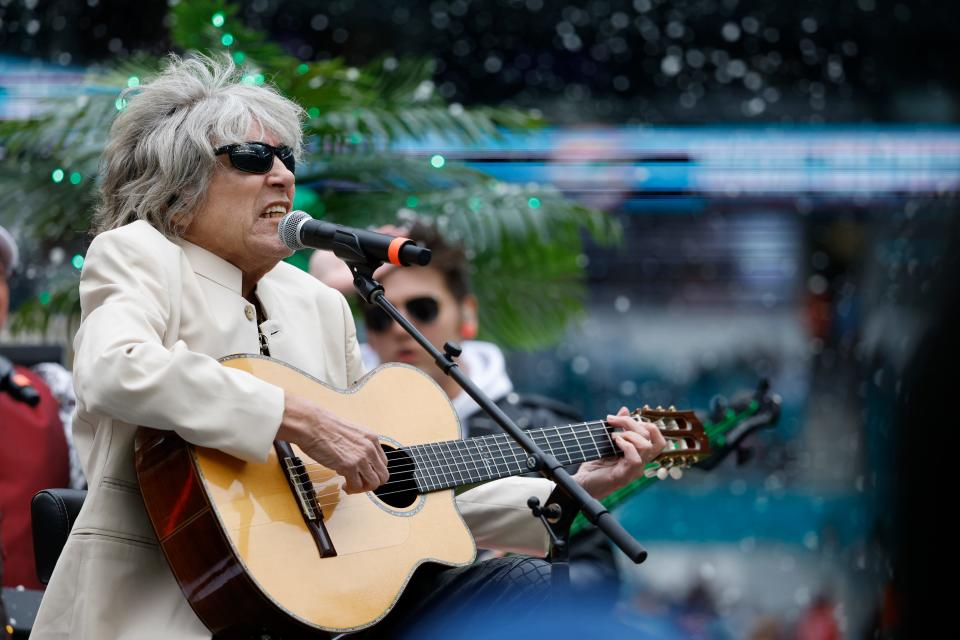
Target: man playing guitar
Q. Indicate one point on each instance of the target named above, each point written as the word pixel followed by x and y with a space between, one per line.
pixel 185 269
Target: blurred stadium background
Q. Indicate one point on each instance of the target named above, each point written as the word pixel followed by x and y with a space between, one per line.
pixel 786 176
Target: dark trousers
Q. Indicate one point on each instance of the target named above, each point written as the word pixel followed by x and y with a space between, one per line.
pixel 439 597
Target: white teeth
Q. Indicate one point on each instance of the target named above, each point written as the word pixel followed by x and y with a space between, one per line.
pixel 276 211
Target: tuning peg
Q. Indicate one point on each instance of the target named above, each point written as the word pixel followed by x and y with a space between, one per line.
pixel 646 407
pixel 650 473
pixel 672 408
pixel 659 407
pixel 676 473
pixel 662 473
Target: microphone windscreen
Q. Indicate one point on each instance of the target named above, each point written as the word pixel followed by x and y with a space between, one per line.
pixel 289 229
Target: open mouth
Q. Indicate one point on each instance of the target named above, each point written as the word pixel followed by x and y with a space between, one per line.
pixel 274 211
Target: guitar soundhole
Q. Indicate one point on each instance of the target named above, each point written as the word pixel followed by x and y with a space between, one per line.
pixel 401 489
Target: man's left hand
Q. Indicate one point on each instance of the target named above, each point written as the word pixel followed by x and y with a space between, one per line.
pixel 640 442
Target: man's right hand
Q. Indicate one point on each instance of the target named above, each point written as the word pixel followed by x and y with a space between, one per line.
pixel 336 443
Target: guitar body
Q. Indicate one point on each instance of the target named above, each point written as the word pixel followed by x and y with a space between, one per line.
pixel 236 538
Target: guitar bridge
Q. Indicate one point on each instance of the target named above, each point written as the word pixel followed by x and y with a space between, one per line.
pixel 299 481
pixel 302 489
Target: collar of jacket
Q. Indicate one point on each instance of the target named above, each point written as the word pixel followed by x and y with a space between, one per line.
pixel 211 266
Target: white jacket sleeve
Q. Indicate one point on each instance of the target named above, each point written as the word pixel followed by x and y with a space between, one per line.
pixel 123 370
pixel 499 518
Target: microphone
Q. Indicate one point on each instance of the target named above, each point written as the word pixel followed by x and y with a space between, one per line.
pixel 298 230
pixel 17 384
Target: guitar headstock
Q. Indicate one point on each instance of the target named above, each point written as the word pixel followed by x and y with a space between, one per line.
pixel 687 442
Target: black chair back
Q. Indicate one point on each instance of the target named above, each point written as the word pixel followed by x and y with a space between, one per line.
pixel 53 512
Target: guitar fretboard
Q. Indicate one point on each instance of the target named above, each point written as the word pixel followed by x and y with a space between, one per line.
pixel 453 463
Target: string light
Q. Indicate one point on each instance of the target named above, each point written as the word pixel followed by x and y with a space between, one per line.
pixel 77 262
pixel 239 57
pixel 412 202
pixel 218 19
pixel 534 203
pixel 57 175
pixel 75 177
pixel 226 39
pixel 133 81
pixel 437 161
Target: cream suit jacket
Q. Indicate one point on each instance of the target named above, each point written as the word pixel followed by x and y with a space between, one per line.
pixel 156 315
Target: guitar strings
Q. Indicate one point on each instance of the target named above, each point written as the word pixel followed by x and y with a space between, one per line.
pixel 468 465
pixel 513 447
pixel 318 496
pixel 467 457
pixel 418 490
pixel 465 467
pixel 554 432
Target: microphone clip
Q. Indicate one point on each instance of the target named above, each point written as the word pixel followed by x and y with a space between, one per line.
pixel 363 280
pixel 346 246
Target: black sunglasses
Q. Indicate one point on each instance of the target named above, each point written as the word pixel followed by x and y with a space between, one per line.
pixel 257 157
pixel 425 309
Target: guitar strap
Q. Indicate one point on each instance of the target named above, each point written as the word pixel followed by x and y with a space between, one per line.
pixel 261 318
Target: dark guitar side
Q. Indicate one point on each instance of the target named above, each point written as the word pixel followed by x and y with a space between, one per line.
pixel 210 575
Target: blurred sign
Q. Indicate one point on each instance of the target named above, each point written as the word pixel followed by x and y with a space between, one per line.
pixel 616 165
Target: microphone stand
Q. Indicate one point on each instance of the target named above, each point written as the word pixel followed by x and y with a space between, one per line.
pixel 568 497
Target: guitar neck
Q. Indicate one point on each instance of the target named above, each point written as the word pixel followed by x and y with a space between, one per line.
pixel 455 463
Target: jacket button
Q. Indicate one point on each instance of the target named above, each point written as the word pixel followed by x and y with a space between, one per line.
pixel 251 314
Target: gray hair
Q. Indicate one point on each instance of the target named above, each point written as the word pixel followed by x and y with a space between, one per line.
pixel 160 158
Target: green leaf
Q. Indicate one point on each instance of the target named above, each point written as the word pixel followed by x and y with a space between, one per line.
pixel 526 272
pixel 525 258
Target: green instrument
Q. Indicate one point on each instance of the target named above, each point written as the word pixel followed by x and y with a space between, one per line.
pixel 726 431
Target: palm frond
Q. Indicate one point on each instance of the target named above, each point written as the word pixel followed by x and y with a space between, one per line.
pixel 379 172
pixel 524 240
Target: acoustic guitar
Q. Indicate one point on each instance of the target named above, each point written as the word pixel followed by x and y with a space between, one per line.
pixel 279 548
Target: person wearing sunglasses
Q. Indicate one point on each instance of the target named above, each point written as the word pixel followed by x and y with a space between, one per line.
pixel 185 268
